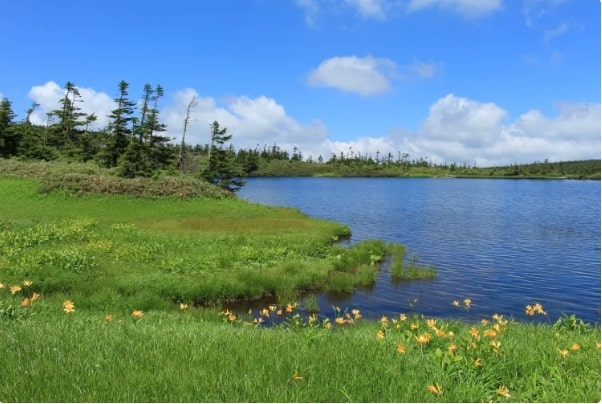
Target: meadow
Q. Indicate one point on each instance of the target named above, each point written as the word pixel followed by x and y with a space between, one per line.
pixel 116 298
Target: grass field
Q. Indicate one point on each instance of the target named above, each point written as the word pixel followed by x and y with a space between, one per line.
pixel 111 298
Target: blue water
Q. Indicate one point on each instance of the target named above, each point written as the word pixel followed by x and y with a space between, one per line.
pixel 502 243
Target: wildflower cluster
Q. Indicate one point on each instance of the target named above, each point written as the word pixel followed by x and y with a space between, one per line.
pixel 291 316
pixel 19 290
pixel 535 309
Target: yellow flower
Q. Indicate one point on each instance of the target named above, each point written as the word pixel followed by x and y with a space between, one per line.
pixel 2 285
pixel 68 306
pixel 232 317
pixel 451 334
pixel 435 389
pixel 296 376
pixel 452 347
pixel 575 347
pixel 279 312
pixel 500 319
pixel 356 313
pixel 474 332
pixel 529 310
pixel 272 307
pixel 403 317
pixel 413 326
pixel 485 322
pixel 339 320
pixel 289 308
pixel 328 325
pixel 183 306
pixel 456 303
pixel 312 318
pixel 35 296
pixel 401 348
pixel 136 314
pixel 424 338
pixel 467 303
pixel 109 317
pixel 14 289
pixel 380 334
pixel 430 323
pixel 384 320
pixel 478 362
pixel 537 307
pixel 503 391
pixel 490 333
pixel 440 333
pixel 25 303
pixel 496 345
pixel 564 353
pixel 265 312
pixel 27 283
pixel 597 344
pixel 258 320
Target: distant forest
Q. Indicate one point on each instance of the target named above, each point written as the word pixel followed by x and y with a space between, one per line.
pixel 134 144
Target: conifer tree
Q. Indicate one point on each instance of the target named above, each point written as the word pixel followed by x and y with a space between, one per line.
pixel 120 127
pixel 222 168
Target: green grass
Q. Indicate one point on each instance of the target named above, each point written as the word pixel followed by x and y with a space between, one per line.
pixel 200 356
pixel 156 252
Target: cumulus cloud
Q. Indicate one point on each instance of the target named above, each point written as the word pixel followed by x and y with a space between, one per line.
pixel 253 122
pixel 365 76
pixel 466 131
pixel 466 8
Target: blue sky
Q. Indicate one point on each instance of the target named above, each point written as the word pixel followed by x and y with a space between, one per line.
pixel 484 82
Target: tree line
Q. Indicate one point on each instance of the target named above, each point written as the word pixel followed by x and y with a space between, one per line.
pixel 134 144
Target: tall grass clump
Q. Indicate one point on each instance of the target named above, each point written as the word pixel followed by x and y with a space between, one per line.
pixel 403 270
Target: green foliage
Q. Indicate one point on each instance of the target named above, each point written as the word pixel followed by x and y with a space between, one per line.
pixel 222 169
pixel 570 323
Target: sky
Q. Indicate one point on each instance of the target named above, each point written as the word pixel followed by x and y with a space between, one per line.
pixel 476 82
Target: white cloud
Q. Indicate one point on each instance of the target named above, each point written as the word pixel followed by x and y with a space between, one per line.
pixel 466 8
pixel 423 70
pixel 253 122
pixel 365 76
pixel 549 34
pixel 49 94
pixel 466 131
pixel 369 8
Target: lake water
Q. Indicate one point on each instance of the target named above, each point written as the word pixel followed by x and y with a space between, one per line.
pixel 502 243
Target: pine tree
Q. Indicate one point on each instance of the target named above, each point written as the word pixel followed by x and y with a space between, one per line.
pixel 222 168
pixel 120 127
pixel 8 137
pixel 69 118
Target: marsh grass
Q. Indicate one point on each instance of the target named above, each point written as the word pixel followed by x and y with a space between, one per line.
pixel 402 270
pixel 157 252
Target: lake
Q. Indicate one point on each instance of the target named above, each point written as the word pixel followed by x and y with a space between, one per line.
pixel 502 243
